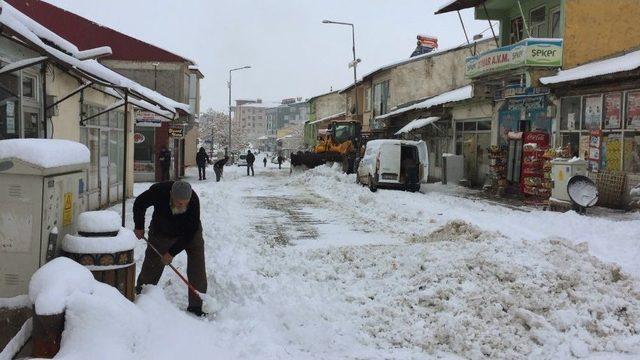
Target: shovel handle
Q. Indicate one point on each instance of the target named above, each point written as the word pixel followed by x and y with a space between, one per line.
pixel 191 288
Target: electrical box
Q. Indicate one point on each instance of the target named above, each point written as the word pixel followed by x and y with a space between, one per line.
pixel 38 206
pixel 562 170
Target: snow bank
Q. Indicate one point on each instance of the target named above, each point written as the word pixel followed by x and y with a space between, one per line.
pixel 99 221
pixel 46 153
pixel 16 302
pixel 125 240
pixel 52 285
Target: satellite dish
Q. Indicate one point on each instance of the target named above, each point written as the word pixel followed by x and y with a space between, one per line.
pixel 583 192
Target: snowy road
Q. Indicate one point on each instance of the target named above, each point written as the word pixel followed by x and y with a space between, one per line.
pixel 312 266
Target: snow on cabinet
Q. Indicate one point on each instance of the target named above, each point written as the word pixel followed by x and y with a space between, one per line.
pixel 42 182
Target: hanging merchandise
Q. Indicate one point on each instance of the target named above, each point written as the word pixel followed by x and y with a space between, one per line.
pixel 498 157
pixel 595 146
pixel 532 174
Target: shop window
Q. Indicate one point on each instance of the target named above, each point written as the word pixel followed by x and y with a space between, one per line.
pixel 632 152
pixel 29 87
pixel 484 125
pixel 572 139
pixel 94 149
pixel 30 121
pixel 632 116
pixel 611 152
pixel 469 126
pixel 517 30
pixel 538 22
pixel 555 29
pixel 570 113
pixel 9 107
pixel 367 99
pixel 613 111
pixel 592 114
pixel 380 98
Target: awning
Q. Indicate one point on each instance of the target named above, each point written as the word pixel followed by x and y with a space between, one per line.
pixel 459 94
pixel 21 64
pixel 628 62
pixel 417 124
pixel 457 5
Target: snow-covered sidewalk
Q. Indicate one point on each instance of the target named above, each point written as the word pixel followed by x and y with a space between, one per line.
pixel 313 266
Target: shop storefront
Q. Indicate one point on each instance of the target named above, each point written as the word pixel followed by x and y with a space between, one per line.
pixel 144 139
pixel 104 136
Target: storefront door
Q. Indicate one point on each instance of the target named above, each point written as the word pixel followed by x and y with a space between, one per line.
pixel 473 137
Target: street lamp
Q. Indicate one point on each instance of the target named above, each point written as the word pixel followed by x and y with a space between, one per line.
pixel 355 61
pixel 228 149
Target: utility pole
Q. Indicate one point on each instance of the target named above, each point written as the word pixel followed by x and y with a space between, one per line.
pixel 355 60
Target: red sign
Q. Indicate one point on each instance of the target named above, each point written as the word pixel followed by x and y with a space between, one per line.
pixel 536 137
pixel 138 138
pixel 613 111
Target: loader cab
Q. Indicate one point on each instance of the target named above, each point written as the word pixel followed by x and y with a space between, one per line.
pixel 344 131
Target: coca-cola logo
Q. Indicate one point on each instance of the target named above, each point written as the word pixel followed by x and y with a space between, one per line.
pixel 536 137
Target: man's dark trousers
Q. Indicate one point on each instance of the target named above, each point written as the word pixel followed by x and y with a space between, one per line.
pixel 250 166
pixel 152 266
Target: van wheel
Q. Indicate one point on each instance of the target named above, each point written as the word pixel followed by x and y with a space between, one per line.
pixel 372 186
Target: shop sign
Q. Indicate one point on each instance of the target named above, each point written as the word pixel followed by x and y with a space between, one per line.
pixel 528 52
pixel 138 138
pixel 523 91
pixel 176 132
pixel 147 119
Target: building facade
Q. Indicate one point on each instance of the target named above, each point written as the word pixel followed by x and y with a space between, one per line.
pixel 169 74
pixel 322 109
pixel 251 117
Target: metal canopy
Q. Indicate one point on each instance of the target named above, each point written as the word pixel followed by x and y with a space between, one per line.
pixel 460 5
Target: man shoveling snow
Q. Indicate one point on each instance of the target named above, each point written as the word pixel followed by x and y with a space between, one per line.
pixel 175 226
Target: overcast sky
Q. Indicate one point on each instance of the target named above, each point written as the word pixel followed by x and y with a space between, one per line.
pixel 291 52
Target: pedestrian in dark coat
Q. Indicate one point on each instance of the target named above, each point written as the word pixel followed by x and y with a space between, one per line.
pixel 218 166
pixel 280 160
pixel 250 160
pixel 264 161
pixel 175 226
pixel 202 159
pixel 164 158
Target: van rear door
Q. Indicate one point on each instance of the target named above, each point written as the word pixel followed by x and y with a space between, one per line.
pixel 389 162
pixel 424 160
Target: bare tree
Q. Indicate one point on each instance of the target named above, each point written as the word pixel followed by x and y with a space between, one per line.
pixel 214 126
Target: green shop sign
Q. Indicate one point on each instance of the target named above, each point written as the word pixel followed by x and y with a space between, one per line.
pixel 528 52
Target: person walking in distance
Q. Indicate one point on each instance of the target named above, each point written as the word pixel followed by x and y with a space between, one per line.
pixel 218 166
pixel 280 159
pixel 202 159
pixel 175 226
pixel 250 160
pixel 264 161
pixel 164 157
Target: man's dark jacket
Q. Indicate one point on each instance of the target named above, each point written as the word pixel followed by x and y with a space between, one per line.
pixel 251 158
pixel 202 158
pixel 163 222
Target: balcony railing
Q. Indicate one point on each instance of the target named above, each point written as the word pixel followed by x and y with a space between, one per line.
pixel 530 52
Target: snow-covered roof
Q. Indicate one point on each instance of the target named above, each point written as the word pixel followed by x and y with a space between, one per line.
pixel 33 32
pixel 627 62
pixel 417 124
pixel 20 64
pixel 45 153
pixel 328 117
pixel 459 94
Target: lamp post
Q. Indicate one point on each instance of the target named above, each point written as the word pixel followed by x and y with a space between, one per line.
pixel 228 149
pixel 355 61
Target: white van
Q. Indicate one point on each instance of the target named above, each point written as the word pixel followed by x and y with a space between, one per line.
pixel 397 164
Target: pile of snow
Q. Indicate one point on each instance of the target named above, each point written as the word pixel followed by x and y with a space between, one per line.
pixel 455 230
pixel 46 153
pixel 17 342
pixel 98 221
pixel 54 283
pixel 125 240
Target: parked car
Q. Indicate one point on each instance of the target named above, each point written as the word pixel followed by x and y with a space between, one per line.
pixel 242 160
pixel 394 164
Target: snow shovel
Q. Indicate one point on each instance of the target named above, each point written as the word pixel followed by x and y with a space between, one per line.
pixel 208 303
